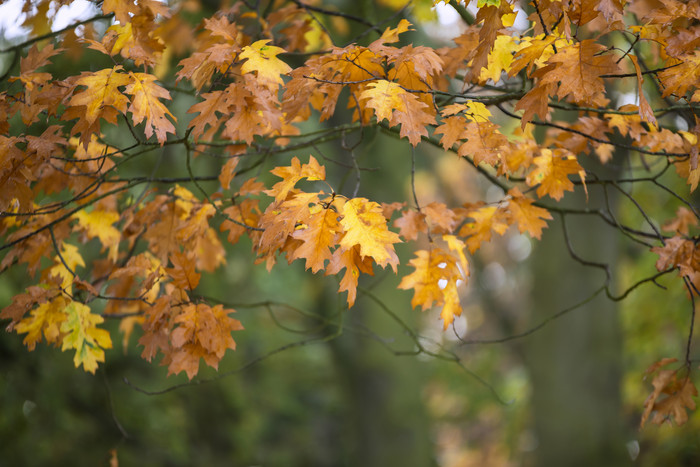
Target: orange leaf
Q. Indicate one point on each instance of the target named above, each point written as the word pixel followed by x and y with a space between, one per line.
pixel 486 219
pixel 530 219
pixel 551 173
pixel 353 263
pixel 182 272
pixel 145 105
pixel 318 236
pixel 292 174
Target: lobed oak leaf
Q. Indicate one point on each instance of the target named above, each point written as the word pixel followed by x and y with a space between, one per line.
pixel 486 219
pixel 533 51
pixel 98 224
pixel 683 220
pixel 262 59
pixel 451 130
pixel 354 263
pixel 536 101
pixel 318 236
pixel 484 143
pixel 410 224
pixel 552 171
pixel 442 218
pixel 676 252
pixel 22 303
pixel 213 102
pixel 384 97
pixel 65 265
pixel 435 280
pixel 530 219
pixel 281 219
pixel 413 117
pixel 202 332
pixel 46 320
pixel 678 79
pixel 292 174
pixel 155 326
pixel 494 18
pixel 578 70
pixel 228 171
pixel 500 58
pixel 183 274
pixel 84 336
pixel 145 105
pixel 365 225
pixel 100 99
pixel 679 393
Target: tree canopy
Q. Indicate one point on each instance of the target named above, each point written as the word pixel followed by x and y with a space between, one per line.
pixel 139 142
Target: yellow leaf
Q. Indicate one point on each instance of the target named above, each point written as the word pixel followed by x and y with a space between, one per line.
pixel 457 245
pixel 102 91
pixel 552 171
pixel 262 59
pixel 435 281
pixel 98 224
pixel 500 58
pixel 72 258
pixel 84 336
pixel 383 97
pixel 46 319
pixel 365 225
pixel 124 34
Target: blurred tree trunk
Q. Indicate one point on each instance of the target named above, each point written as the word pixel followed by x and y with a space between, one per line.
pixel 575 361
pixel 384 421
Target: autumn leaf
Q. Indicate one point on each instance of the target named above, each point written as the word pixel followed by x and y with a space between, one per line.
pixel 146 105
pixel 530 219
pixel 318 236
pixel 678 79
pixel 552 169
pixel 676 252
pixel 681 223
pixel 202 332
pixel 65 265
pixel 485 220
pixel 228 171
pixel 384 97
pixel 390 101
pixel 292 174
pixel 98 224
pixel 101 99
pixel 45 320
pixel 678 392
pixel 577 71
pixel 645 110
pixel 410 224
pixel 84 336
pixel 354 263
pixel 182 272
pixel 435 279
pixel 500 58
pixel 365 225
pixel 261 58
